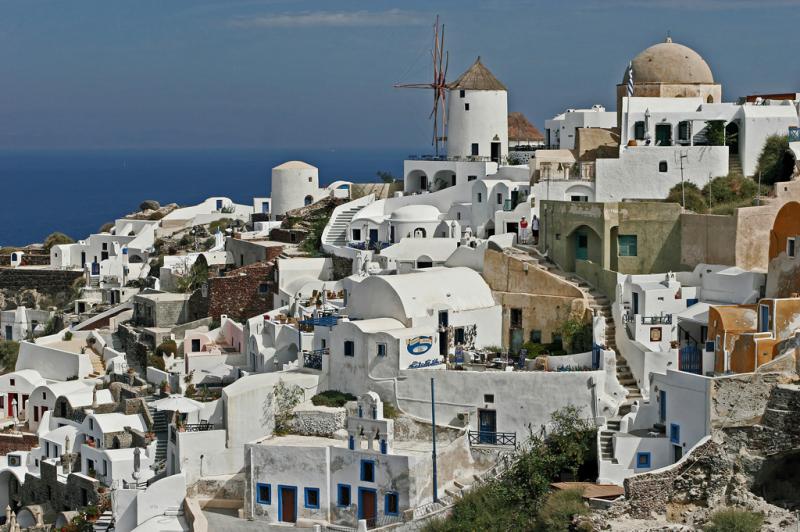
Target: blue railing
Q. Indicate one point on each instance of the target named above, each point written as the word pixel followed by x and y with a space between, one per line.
pixel 691 359
pixel 483 437
pixel 323 321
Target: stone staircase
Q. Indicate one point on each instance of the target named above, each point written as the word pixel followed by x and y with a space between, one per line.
pixel 734 164
pixel 104 523
pixel 161 430
pixel 98 368
pixel 601 306
pixel 337 235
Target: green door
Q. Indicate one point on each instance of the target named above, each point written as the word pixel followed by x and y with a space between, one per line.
pixel 581 246
pixel 663 135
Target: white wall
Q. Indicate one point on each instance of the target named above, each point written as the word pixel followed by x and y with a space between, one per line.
pixel 486 119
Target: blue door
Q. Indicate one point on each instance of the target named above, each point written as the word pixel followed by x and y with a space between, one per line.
pixel 373 235
pixel 219 204
pixel 95 268
pixel 690 359
pixel 662 406
pixel 763 322
pixel 581 246
pixel 487 426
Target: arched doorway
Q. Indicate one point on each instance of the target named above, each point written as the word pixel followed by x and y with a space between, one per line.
pixel 583 243
pixel 308 200
pixel 416 181
pixel 419 232
pixel 443 179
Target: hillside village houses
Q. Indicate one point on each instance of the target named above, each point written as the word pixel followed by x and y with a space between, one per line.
pixel 167 391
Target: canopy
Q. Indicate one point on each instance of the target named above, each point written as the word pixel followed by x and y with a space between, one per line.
pixel 178 403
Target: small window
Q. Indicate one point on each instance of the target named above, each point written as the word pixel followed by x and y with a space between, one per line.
pixel 309 179
pixel 662 166
pixel 791 250
pixel 392 504
pixel 674 433
pixel 642 460
pixel 12 382
pixel 458 334
pixel 710 347
pixel 472 177
pixel 458 215
pixel 627 245
pixel 479 197
pixel 349 348
pixel 105 246
pixel 516 318
pixel 263 493
pixel 312 498
pixel 356 234
pixel 462 93
pixel 263 288
pixel 684 129
pixel 91 424
pixel 44 395
pixel 638 130
pixel 579 198
pixel 475 150
pixel 195 345
pixel 343 495
pixel 488 398
pixel 367 471
pixel 466 107
pixel 536 336
pixel 381 350
pixel 499 198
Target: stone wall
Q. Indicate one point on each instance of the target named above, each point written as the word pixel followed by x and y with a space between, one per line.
pixel 318 420
pixel 78 492
pixel 244 292
pixel 342 267
pixel 17 442
pixel 45 281
pixel 290 236
pixel 28 259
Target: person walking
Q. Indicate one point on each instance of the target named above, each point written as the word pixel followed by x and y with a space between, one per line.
pixel 535 230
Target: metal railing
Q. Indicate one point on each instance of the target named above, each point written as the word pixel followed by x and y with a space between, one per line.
pixel 198 427
pixel 666 319
pixel 468 158
pixel 312 360
pixel 483 437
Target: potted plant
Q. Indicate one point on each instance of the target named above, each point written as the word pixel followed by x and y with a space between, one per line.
pixel 92 513
pixel 90 442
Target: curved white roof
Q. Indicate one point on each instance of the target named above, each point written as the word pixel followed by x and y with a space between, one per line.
pixel 116 422
pixel 412 294
pixel 416 213
pixel 295 165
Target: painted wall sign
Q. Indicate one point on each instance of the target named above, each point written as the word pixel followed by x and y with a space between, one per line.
pixel 419 345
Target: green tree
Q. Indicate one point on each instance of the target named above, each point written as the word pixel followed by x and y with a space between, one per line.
pixel 56 239
pixel 695 201
pixel 774 163
pixel 715 132
pixel 9 350
pixel 386 177
pixel 196 277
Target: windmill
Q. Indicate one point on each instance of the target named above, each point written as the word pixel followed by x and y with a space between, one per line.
pixel 441 60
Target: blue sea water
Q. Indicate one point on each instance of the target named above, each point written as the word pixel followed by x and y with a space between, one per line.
pixel 76 192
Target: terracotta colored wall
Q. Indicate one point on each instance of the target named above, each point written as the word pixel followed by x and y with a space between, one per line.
pixel 786 224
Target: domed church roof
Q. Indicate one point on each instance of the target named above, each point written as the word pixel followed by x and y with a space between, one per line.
pixel 669 62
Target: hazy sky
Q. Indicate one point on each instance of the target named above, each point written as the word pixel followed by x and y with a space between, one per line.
pixel 170 73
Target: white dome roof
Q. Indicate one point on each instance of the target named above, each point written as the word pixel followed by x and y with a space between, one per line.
pixel 669 62
pixel 295 165
pixel 416 213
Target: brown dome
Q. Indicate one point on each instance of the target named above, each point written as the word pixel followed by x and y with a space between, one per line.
pixel 669 62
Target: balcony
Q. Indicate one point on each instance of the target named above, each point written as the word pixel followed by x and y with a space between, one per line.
pixel 313 359
pixel 482 437
pixel 665 319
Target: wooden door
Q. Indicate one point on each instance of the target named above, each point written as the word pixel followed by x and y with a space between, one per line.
pixel 368 505
pixel 288 504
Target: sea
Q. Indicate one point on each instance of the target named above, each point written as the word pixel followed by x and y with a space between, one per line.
pixel 77 191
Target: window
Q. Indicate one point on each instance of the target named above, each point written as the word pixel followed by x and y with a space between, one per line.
pixel 466 107
pixel 312 498
pixel 479 197
pixel 499 198
pixel 392 504
pixel 367 471
pixel 91 424
pixel 343 495
pixel 662 166
pixel 443 318
pixel 462 93
pixel 710 347
pixel 11 381
pixel 475 148
pixel 488 398
pixel 356 234
pixel 472 177
pixel 579 198
pixel 44 395
pixel 263 288
pixel 105 246
pixel 105 468
pixel 791 250
pixel 536 336
pixel 684 131
pixel 381 350
pixel 516 318
pixel 627 245
pixel 349 348
pixel 263 493
pixel 674 433
pixel 458 334
pixel 458 215
pixel 195 345
pixel 46 449
pixel 638 130
pixel 642 460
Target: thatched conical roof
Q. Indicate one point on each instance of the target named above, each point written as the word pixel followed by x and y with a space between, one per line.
pixel 521 130
pixel 477 78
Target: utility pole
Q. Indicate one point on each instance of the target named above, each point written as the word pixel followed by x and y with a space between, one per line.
pixel 683 188
pixel 758 192
pixel 433 429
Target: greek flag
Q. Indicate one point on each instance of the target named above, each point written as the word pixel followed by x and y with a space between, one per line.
pixel 630 79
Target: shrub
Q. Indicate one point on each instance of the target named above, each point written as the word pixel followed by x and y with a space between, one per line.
pixel 730 188
pixel 559 509
pixel 534 350
pixel 695 201
pixel 149 205
pixel 773 163
pixel 68 336
pixel 333 398
pixel 155 215
pixel 715 132
pixel 734 520
pixel 390 411
pixel 106 227
pixel 287 396
pixel 221 224
pixel 9 350
pixel 167 348
pixel 56 239
pixel 185 240
pixel 156 362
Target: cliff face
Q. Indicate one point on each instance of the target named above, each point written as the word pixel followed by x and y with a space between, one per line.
pixel 34 288
pixel 750 461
